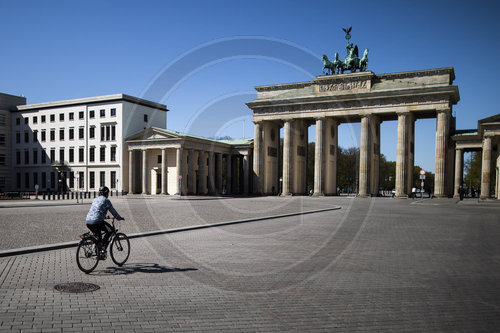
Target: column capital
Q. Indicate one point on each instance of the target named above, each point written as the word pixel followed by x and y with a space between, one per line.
pixel 447 111
pixel 403 113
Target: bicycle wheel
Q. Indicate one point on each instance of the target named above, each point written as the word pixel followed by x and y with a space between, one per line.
pixel 86 255
pixel 120 249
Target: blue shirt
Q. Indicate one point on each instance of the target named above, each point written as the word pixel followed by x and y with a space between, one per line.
pixel 99 209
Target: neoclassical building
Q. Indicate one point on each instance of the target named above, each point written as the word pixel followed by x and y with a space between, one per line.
pixel 484 139
pixel 168 162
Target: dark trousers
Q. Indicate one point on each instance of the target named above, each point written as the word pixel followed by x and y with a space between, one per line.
pixel 97 230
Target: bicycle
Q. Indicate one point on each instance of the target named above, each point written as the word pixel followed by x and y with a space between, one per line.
pixel 89 253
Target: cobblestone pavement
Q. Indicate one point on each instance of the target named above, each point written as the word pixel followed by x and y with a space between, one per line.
pixel 376 265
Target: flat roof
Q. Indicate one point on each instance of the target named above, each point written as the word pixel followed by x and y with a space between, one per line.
pixel 93 100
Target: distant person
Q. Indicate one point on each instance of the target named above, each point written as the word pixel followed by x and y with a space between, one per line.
pixel 472 192
pixel 95 218
pixel 461 192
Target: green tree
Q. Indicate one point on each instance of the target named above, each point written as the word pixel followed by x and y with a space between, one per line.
pixel 472 172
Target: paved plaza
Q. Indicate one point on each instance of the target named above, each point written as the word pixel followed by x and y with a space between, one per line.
pixel 374 265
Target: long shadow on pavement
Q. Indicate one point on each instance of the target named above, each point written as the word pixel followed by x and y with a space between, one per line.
pixel 148 268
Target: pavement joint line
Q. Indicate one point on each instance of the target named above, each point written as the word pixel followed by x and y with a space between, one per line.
pixel 58 246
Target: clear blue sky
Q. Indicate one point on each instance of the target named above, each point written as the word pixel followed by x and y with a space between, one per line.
pixel 197 56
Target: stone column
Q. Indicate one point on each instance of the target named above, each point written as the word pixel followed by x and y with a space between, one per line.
pixel 164 171
pixel 331 143
pixel 401 154
pixel 218 176
pixel 486 169
pixel 191 181
pixel 202 179
pixel 144 172
pixel 410 153
pixel 245 173
pixel 257 159
pixel 179 171
pixel 441 145
pixel 130 171
pixel 374 160
pixel 319 158
pixel 287 158
pixel 459 158
pixel 211 173
pixel 364 155
pixel 228 174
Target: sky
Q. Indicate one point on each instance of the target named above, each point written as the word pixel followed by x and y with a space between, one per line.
pixel 204 58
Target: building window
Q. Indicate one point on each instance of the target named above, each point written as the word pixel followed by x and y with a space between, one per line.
pixel 102 155
pixel 52 118
pixel 102 113
pixel 81 179
pixel 71 179
pixel 91 114
pixel 61 116
pixel 43 119
pixel 81 132
pixel 2 139
pixel 2 159
pixel 145 118
pixel 35 120
pixel 35 156
pixel 71 115
pixel 108 132
pixel 52 155
pixel 81 115
pixel 71 155
pixel 18 180
pixel 102 178
pixel 26 120
pixel 159 159
pixel 44 135
pixel 52 135
pixel 44 180
pixel 113 112
pixel 113 179
pixel 26 137
pixel 18 137
pixel 2 182
pixel 26 156
pixel 71 133
pixel 18 121
pixel 81 154
pixel 91 179
pixel 44 156
pixel 61 155
pixel 92 154
pixel 113 154
pixel 91 132
pixel 3 120
pixel 18 157
pixel 61 134
pixel 35 136
pixel 35 178
pixel 27 180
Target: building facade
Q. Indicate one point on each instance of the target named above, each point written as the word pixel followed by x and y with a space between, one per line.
pixel 77 144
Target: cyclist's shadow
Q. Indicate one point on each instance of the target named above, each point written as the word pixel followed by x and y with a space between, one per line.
pixel 141 268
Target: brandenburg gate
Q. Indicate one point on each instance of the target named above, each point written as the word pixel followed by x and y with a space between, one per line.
pixel 330 100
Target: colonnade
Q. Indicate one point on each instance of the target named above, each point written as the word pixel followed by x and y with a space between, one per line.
pixel 190 171
pixel 325 155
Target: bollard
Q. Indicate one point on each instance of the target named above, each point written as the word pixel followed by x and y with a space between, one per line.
pixel 58 196
pixel 53 196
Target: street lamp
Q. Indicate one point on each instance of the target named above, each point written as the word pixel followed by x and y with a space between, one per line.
pixel 77 185
pixel 281 185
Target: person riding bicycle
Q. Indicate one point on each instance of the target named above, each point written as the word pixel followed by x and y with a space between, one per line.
pixel 95 218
